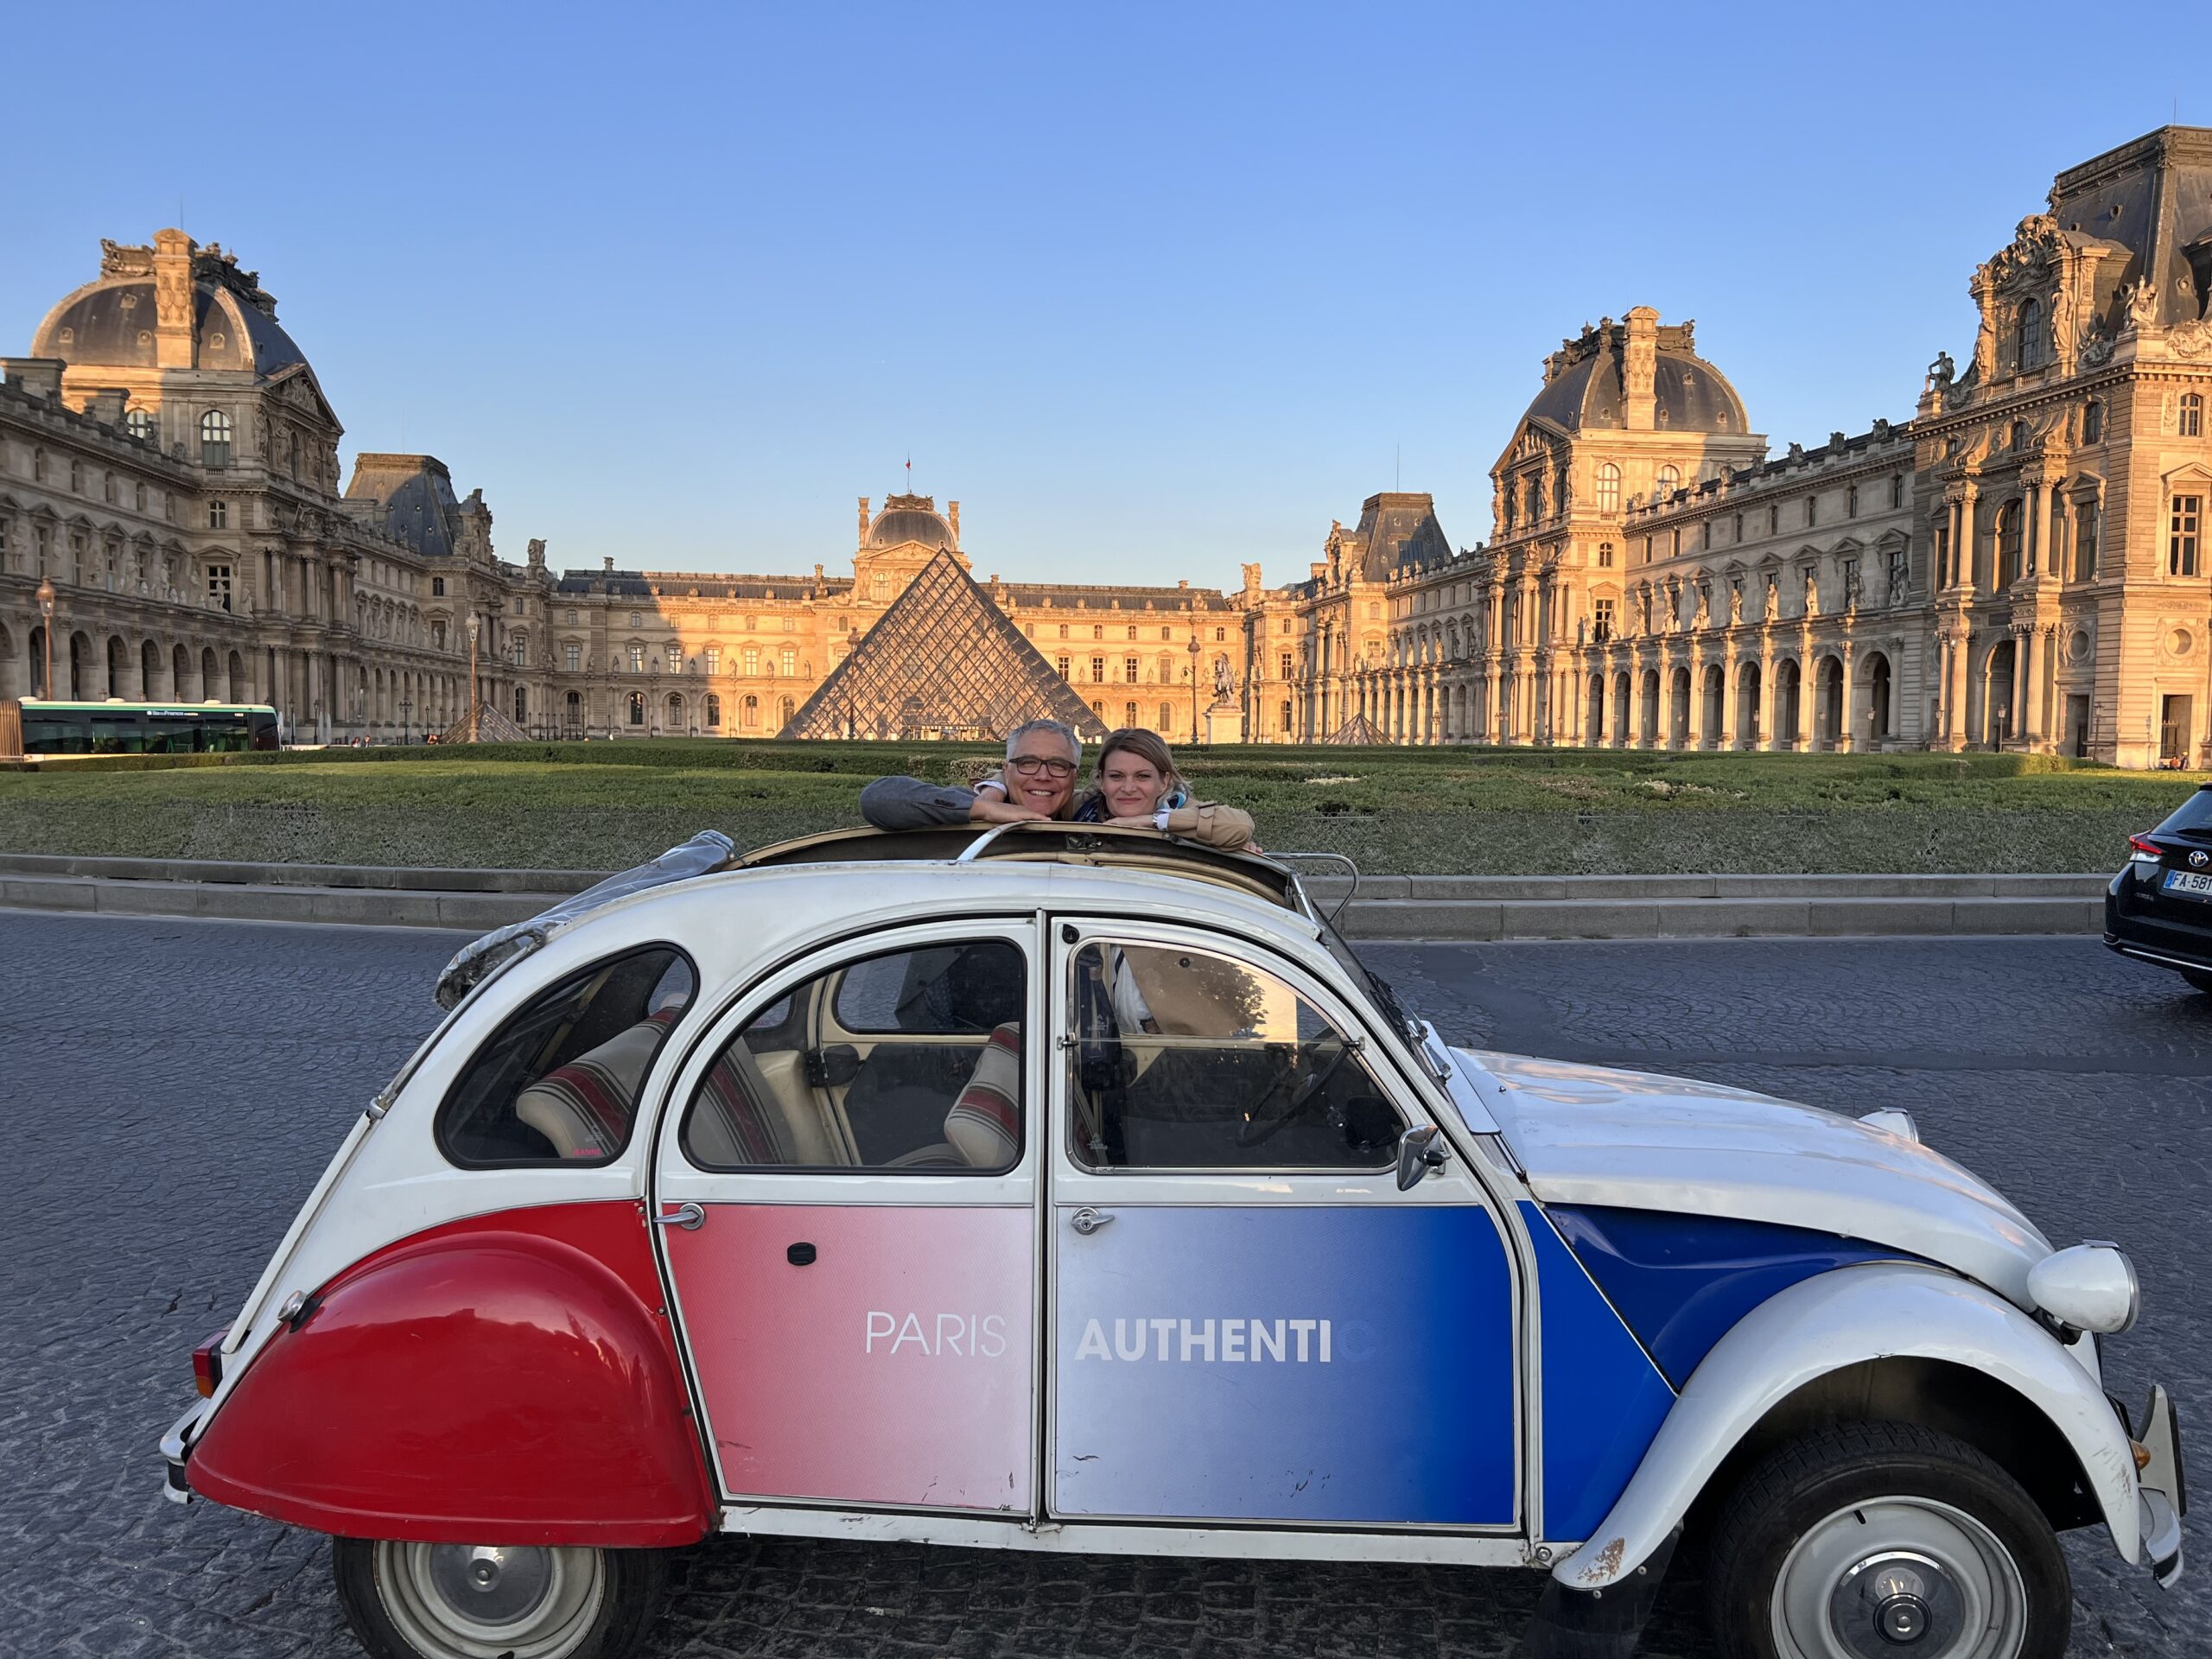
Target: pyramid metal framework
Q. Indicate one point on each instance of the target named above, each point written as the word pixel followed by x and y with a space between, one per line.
pixel 942 662
pixel 1356 732
pixel 491 726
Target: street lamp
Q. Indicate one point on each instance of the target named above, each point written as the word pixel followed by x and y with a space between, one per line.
pixel 406 725
pixel 475 627
pixel 46 610
pixel 1195 649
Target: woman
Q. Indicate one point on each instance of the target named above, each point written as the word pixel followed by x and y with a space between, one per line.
pixel 1137 787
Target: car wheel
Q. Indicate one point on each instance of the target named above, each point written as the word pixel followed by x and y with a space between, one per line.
pixel 462 1601
pixel 1886 1541
pixel 2199 978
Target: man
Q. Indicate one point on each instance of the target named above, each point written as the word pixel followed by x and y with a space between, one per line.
pixel 1039 783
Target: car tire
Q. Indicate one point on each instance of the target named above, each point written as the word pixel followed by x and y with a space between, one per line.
pixel 453 1601
pixel 1879 1538
pixel 2199 978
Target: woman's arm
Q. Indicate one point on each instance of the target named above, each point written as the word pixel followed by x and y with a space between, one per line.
pixel 1214 824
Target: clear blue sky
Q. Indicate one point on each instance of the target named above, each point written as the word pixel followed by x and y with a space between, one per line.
pixel 1152 290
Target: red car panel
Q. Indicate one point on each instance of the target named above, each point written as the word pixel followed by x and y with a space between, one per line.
pixel 511 1378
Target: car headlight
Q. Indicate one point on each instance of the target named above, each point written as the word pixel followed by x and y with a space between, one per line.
pixel 2091 1287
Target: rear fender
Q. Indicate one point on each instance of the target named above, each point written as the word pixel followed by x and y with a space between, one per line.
pixel 1844 1318
pixel 511 1379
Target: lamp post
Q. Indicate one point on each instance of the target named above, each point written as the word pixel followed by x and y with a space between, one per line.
pixel 1195 649
pixel 406 724
pixel 46 610
pixel 475 627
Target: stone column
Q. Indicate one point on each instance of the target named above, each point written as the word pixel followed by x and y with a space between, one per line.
pixel 1961 648
pixel 1770 705
pixel 2024 723
pixel 1847 719
pixel 1695 739
pixel 1809 690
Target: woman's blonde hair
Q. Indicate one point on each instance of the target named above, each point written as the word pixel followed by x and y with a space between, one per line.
pixel 1147 746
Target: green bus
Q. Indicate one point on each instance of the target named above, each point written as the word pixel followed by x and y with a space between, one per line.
pixel 35 725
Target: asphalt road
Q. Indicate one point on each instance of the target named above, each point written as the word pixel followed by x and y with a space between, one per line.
pixel 171 1089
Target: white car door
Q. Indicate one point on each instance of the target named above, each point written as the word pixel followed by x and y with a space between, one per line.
pixel 1249 1320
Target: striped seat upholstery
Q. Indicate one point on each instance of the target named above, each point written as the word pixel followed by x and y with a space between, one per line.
pixel 584 1108
pixel 984 1126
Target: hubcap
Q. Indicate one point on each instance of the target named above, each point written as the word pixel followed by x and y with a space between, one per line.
pixel 485 1601
pixel 1899 1578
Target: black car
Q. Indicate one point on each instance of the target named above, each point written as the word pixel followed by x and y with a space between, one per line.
pixel 2159 907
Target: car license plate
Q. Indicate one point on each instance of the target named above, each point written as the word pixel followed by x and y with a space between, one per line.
pixel 2184 881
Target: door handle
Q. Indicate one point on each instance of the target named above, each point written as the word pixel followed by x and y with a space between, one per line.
pixel 1088 1221
pixel 689 1217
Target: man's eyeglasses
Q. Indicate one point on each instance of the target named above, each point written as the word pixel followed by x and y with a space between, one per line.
pixel 1029 765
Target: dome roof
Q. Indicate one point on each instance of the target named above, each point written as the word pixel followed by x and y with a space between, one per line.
pixel 1688 394
pixel 910 519
pixel 110 322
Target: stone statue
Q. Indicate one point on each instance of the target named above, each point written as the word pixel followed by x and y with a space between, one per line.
pixel 1224 680
pixel 1812 593
pixel 1735 603
pixel 1942 372
pixel 2142 299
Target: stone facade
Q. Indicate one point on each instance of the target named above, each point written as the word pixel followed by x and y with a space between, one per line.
pixel 2022 565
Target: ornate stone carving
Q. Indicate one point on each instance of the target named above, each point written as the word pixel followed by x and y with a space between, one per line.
pixel 2190 339
pixel 2142 301
pixel 116 260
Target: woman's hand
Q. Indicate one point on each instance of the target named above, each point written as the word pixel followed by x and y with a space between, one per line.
pixel 1142 821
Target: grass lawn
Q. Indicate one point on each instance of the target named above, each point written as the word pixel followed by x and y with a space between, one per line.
pixel 602 805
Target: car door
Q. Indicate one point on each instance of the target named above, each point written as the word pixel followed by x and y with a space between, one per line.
pixel 1250 1321
pixel 848 1178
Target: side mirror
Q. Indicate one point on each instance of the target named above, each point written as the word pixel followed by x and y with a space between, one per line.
pixel 1418 1152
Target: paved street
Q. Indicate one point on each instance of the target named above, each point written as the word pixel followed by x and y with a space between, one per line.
pixel 171 1089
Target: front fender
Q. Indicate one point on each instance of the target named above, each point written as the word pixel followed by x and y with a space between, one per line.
pixel 511 1379
pixel 1822 1325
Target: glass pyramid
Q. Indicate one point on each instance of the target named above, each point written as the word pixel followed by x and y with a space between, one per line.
pixel 942 662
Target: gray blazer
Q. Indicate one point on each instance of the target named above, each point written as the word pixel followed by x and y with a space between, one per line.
pixel 910 804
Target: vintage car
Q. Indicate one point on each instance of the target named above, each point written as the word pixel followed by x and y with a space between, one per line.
pixel 1073 1189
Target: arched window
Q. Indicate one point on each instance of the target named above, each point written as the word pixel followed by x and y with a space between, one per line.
pixel 1128 714
pixel 2008 543
pixel 2027 338
pixel 637 708
pixel 749 714
pixel 1670 481
pixel 714 712
pixel 1609 488
pixel 675 713
pixel 2190 423
pixel 522 706
pixel 784 709
pixel 575 713
pixel 1167 716
pixel 215 439
pixel 139 423
pixel 2093 422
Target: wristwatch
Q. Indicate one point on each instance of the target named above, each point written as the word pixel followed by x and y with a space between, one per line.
pixel 1160 819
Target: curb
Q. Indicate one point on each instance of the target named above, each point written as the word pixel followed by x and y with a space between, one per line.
pixel 1445 908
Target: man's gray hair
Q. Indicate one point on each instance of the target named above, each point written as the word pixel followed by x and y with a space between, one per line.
pixel 1059 728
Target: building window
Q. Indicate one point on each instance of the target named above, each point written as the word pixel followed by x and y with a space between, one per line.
pixel 572 617
pixel 788 662
pixel 2191 415
pixel 518 648
pixel 437 587
pixel 1601 622
pixel 139 423
pixel 1774 519
pixel 1609 488
pixel 2008 543
pixel 637 620
pixel 1097 631
pixel 522 706
pixel 637 658
pixel 714 712
pixel 573 717
pixel 1898 572
pixel 1675 542
pixel 219 515
pixel 2093 422
pixel 637 708
pixel 77 477
pixel 1167 716
pixel 2181 549
pixel 1129 671
pixel 1286 627
pixel 1896 491
pixel 1739 529
pixel 1128 714
pixel 1812 509
pixel 675 657
pixel 714 661
pixel 1605 555
pixel 1850 502
pixel 1670 479
pixel 219 586
pixel 751 660
pixel 518 605
pixel 1220 636
pixel 572 657
pixel 749 712
pixel 1064 630
pixel 2027 345
pixel 2086 515
pixel 1097 669
pixel 1061 665
pixel 107 487
pixel 1286 666
pixel 215 439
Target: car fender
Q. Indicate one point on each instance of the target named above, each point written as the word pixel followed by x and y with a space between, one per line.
pixel 511 1379
pixel 1822 1325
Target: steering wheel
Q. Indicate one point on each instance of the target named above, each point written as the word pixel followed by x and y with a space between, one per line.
pixel 1262 1125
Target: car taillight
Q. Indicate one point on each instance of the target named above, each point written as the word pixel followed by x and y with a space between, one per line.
pixel 2140 851
pixel 207 1365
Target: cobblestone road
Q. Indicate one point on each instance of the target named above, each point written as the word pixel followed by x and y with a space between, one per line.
pixel 171 1089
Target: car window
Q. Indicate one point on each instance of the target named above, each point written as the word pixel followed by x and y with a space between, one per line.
pixel 558 1082
pixel 1185 1059
pixel 900 1061
pixel 2193 817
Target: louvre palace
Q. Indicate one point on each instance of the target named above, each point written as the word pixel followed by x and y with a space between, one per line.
pixel 2018 563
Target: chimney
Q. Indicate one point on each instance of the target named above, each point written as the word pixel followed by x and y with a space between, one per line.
pixel 536 553
pixel 953 518
pixel 818 573
pixel 1640 368
pixel 35 377
pixel 173 343
pixel 105 405
pixel 863 521
pixel 608 564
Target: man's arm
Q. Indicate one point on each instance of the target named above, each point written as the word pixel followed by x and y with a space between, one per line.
pixel 910 804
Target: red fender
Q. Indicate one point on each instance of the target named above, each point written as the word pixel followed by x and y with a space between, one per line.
pixel 511 1378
